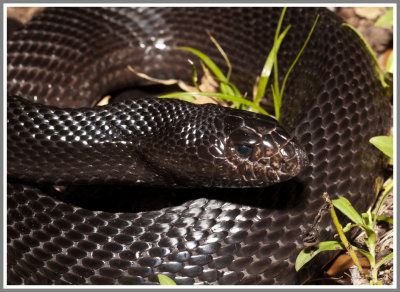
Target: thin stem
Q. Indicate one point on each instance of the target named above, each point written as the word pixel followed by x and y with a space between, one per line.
pixel 343 238
pixel 277 32
pixel 297 58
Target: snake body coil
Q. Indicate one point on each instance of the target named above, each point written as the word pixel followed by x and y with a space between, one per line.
pixel 333 104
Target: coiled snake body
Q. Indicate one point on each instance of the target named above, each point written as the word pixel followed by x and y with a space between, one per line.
pixel 333 104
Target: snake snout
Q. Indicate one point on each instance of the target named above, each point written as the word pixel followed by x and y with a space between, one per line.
pixel 302 158
pixel 283 157
pixel 260 151
pixel 292 162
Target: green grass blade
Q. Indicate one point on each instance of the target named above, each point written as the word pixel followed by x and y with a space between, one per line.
pixel 225 88
pixel 277 105
pixel 268 66
pixel 378 69
pixel 296 59
pixel 182 95
pixel 203 66
pixel 194 76
pixel 222 96
pixel 210 64
pixel 262 84
pixel 222 52
pixel 278 28
pixel 235 91
pixel 275 55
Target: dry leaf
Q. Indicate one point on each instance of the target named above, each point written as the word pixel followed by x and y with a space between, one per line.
pixel 23 14
pixel 369 12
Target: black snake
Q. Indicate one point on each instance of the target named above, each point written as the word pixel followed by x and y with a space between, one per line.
pixel 67 57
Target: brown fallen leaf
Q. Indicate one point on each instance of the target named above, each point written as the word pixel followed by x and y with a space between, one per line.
pixel 343 262
pixel 23 14
pixel 370 12
pixel 208 84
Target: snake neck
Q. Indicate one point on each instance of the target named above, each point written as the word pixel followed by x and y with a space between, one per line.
pixel 101 135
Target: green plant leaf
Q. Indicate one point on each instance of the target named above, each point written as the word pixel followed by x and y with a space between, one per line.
pixel 383 218
pixel 297 57
pixel 210 64
pixel 181 95
pixel 367 218
pixel 222 52
pixel 386 19
pixel 389 64
pixel 386 192
pixel 232 98
pixel 384 260
pixel 233 90
pixel 269 64
pixel 378 69
pixel 164 280
pixel 310 252
pixel 366 254
pixel 348 227
pixel 275 54
pixel 344 206
pixel 383 143
pixel 194 75
pixel 277 105
pixel 225 89
pixel 371 238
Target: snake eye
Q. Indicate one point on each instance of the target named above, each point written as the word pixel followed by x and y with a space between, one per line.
pixel 244 150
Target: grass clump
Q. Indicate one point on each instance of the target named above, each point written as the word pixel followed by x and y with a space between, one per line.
pixel 229 92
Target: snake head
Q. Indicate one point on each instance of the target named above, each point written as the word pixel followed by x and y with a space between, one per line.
pixel 258 150
pixel 223 147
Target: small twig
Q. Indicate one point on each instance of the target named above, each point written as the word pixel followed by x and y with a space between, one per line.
pixel 155 80
pixel 356 277
pixel 343 238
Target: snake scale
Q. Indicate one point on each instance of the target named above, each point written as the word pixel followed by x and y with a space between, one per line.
pixel 208 232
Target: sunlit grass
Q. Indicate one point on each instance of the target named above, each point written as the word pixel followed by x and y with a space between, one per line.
pixel 229 92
